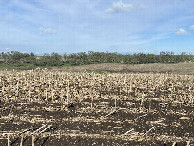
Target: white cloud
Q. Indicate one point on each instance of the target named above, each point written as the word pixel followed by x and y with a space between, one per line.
pixel 191 27
pixel 182 31
pixel 119 7
pixel 47 30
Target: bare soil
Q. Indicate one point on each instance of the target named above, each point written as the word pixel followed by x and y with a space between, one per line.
pixel 179 68
pixel 153 123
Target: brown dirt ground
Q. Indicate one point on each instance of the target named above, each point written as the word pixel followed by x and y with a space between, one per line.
pixel 153 123
pixel 179 68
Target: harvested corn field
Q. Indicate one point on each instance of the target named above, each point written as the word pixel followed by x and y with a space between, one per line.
pixel 44 107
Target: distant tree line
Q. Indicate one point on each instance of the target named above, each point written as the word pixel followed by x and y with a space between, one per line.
pixel 54 59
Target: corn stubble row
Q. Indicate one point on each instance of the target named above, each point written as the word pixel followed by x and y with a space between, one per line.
pixel 68 87
pixel 65 87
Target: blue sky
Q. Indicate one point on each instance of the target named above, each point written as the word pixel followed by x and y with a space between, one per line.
pixel 123 26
